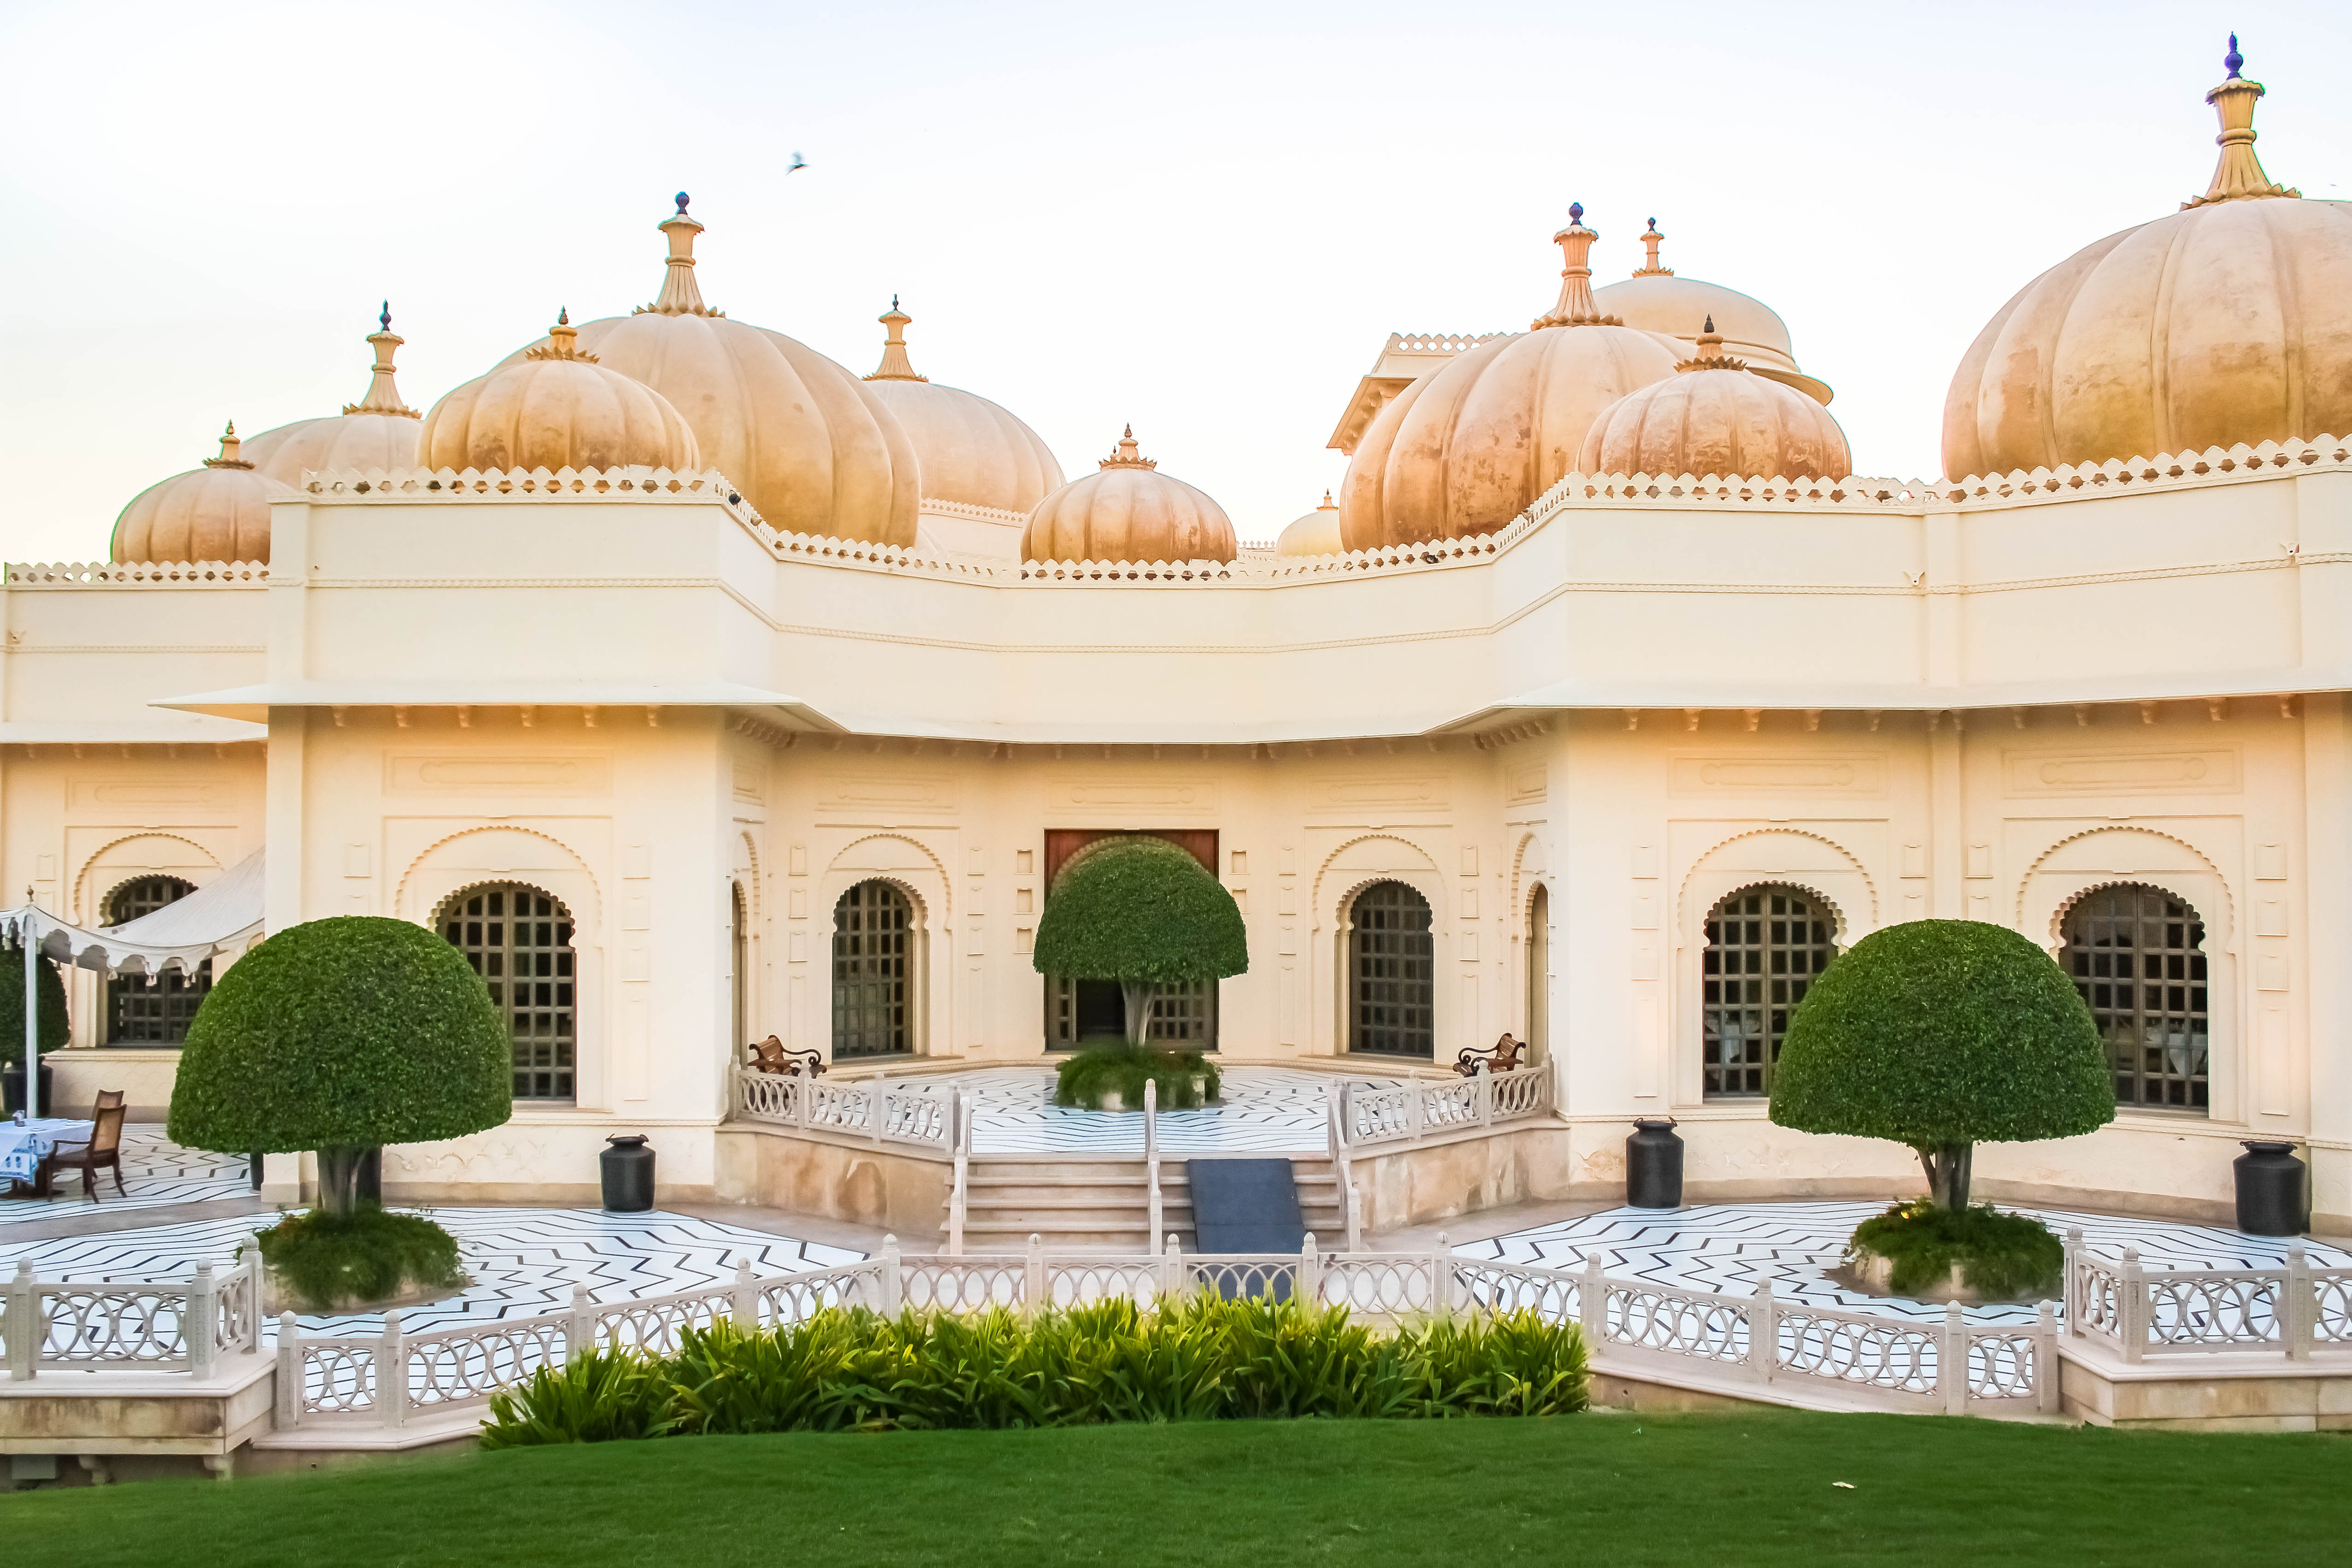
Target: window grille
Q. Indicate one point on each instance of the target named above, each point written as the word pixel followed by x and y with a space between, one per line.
pixel 2133 954
pixel 1182 1020
pixel 1392 973
pixel 139 1013
pixel 1765 946
pixel 871 926
pixel 519 940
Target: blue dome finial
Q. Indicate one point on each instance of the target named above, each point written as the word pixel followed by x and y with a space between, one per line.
pixel 1576 212
pixel 682 198
pixel 2233 60
pixel 384 320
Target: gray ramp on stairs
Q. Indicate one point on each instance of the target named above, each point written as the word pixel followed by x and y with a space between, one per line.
pixel 1245 1206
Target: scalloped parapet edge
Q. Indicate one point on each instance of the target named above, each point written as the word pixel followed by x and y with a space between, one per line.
pixel 147 574
pixel 2332 451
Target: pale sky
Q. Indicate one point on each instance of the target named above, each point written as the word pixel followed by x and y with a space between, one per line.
pixel 1205 219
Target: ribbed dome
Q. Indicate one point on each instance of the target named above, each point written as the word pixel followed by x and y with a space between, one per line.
pixel 1655 300
pixel 1127 510
pixel 1717 418
pixel 377 431
pixel 1317 533
pixel 1469 447
pixel 2227 322
pixel 805 441
pixel 969 449
pixel 555 408
pixel 217 512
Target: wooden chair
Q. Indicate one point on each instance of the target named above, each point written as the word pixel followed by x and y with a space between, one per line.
pixel 773 1055
pixel 1507 1055
pixel 103 1152
pixel 106 1099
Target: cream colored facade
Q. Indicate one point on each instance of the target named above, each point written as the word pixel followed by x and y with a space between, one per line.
pixel 1976 698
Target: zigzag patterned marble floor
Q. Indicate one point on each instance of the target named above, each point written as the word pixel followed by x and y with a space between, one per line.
pixel 1266 1110
pixel 156 1172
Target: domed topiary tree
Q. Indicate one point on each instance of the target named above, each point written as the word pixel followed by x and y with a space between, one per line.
pixel 1144 913
pixel 52 1025
pixel 1943 1034
pixel 343 1035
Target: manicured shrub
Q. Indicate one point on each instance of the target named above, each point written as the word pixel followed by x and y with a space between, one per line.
pixel 2000 1255
pixel 1942 1034
pixel 1186 1078
pixel 51 989
pixel 342 1035
pixel 1144 913
pixel 1196 1358
pixel 364 1255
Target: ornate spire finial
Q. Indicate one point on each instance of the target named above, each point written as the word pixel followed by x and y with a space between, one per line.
pixel 382 395
pixel 1328 504
pixel 562 316
pixel 229 457
pixel 562 342
pixel 1128 455
pixel 2239 173
pixel 895 365
pixel 1710 355
pixel 679 296
pixel 1650 268
pixel 1576 306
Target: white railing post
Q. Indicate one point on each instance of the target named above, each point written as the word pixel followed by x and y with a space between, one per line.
pixel 200 1321
pixel 1151 1122
pixel 1592 1303
pixel 1413 1119
pixel 803 1090
pixel 892 1298
pixel 959 1200
pixel 1033 1282
pixel 878 1094
pixel 2132 1310
pixel 1354 1202
pixel 1332 1139
pixel 1309 1292
pixel 392 1375
pixel 1952 1360
pixel 2295 1303
pixel 1440 1276
pixel 578 1326
pixel 1484 1081
pixel 1154 1211
pixel 257 1274
pixel 1170 1266
pixel 289 1373
pixel 2046 1373
pixel 2070 1286
pixel 1763 1330
pixel 743 1300
pixel 26 1331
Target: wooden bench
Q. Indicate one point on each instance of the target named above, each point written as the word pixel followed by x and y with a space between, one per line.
pixel 1505 1055
pixel 773 1055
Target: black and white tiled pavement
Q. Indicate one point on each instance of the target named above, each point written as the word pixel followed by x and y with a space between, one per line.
pixel 156 1174
pixel 1266 1110
pixel 1727 1247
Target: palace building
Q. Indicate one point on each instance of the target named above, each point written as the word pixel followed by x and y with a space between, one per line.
pixel 702 688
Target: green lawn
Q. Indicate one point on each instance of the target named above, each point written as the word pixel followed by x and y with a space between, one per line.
pixel 1616 1488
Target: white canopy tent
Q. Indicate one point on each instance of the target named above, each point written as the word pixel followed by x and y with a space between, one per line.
pixel 222 917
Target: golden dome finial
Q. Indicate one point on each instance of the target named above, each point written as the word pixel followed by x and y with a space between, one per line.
pixel 229 457
pixel 1328 504
pixel 2239 173
pixel 895 365
pixel 1576 306
pixel 679 295
pixel 562 342
pixel 1710 355
pixel 1127 453
pixel 382 396
pixel 1650 268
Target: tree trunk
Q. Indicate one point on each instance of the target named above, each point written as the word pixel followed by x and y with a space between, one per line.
pixel 1947 1166
pixel 1138 996
pixel 338 1180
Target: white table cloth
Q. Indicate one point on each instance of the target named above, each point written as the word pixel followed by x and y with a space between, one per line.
pixel 24 1145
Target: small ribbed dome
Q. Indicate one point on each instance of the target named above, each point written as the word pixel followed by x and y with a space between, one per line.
pixel 1655 300
pixel 1317 533
pixel 805 441
pixel 556 408
pixel 217 512
pixel 1470 445
pixel 1127 511
pixel 1717 418
pixel 377 431
pixel 969 450
pixel 2227 322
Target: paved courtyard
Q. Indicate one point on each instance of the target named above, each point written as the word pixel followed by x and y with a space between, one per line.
pixel 1266 1110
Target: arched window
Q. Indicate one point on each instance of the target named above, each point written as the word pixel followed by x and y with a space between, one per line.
pixel 138 1012
pixel 872 937
pixel 1390 972
pixel 1538 1025
pixel 2133 954
pixel 519 940
pixel 1764 947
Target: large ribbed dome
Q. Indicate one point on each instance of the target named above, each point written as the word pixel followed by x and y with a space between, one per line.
pixel 1655 300
pixel 1127 511
pixel 805 441
pixel 556 408
pixel 1470 445
pixel 2227 322
pixel 970 450
pixel 217 512
pixel 379 431
pixel 1715 417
